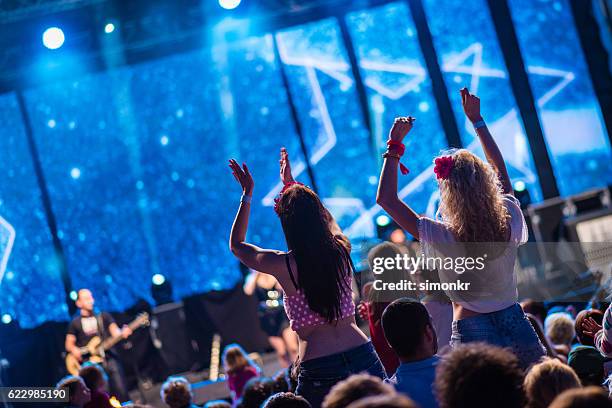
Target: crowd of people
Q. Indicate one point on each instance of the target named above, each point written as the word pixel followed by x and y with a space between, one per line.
pixel 477 348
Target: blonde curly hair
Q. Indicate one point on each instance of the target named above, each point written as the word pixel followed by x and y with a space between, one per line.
pixel 471 202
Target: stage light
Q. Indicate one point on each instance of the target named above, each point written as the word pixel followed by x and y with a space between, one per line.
pixel 229 4
pixel 53 38
pixel 519 185
pixel 161 289
pixel 423 106
pixel 382 220
pixel 109 28
pixel 164 140
pixel 158 279
pixel 6 318
pixel 75 173
pixel 73 295
pixel 51 123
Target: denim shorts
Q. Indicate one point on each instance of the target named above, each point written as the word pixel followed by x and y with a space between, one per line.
pixel 508 328
pixel 317 376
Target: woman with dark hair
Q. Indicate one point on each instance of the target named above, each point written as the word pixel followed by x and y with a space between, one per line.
pixel 315 274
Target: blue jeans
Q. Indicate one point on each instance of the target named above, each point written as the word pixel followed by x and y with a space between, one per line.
pixel 319 375
pixel 505 328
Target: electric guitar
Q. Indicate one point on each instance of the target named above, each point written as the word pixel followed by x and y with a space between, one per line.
pixel 95 349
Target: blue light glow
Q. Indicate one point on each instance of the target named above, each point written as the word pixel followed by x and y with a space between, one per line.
pixel 571 118
pixel 229 4
pixel 158 279
pixel 75 173
pixel 109 28
pixel 53 38
pixel 6 318
pixel 382 220
pixel 519 185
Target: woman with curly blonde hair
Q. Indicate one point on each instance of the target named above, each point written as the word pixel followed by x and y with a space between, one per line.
pixel 475 241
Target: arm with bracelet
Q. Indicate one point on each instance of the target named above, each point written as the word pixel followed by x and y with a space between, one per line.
pixel 386 195
pixel 471 107
pixel 269 260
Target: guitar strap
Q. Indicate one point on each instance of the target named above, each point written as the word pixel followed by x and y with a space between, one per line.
pixel 101 328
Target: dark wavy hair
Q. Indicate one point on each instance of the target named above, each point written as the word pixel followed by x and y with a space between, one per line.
pixel 322 259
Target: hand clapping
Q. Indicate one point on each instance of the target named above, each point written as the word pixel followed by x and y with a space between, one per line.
pixel 242 176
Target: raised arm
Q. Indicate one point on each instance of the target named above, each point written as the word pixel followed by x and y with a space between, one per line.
pixel 471 107
pixel 386 195
pixel 252 256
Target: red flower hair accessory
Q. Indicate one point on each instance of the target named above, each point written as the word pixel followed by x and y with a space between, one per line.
pixel 443 167
pixel 285 187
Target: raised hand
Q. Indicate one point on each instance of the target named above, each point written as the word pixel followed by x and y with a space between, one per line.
pixel 400 128
pixel 285 167
pixel 590 327
pixel 242 176
pixel 471 105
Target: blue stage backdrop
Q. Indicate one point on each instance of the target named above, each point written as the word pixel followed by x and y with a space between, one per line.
pixel 575 134
pixel 135 159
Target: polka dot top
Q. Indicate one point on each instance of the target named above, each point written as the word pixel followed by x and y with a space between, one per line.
pixel 300 315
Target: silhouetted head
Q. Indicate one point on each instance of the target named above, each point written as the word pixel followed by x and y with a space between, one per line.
pixel 176 392
pixel 321 258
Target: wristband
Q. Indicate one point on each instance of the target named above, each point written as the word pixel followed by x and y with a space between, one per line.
pixel 398 155
pixel 390 154
pixel 479 124
pixel 246 199
pixel 401 148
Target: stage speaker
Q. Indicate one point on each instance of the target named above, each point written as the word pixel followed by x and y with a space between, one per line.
pixel 169 335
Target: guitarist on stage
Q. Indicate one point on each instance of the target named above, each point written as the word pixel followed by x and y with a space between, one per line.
pixel 89 324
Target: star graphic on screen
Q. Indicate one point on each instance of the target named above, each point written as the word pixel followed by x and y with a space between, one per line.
pixel 468 61
pixel 7 239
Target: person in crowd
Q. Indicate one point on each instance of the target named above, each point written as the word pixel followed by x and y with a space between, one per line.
pixel 550 350
pixel 410 333
pixel 89 324
pixel 581 317
pixel 286 400
pixel 384 401
pixel 316 276
pixel 589 397
pixel 479 375
pixel 588 364
pixel 477 205
pixel 601 333
pixel 256 392
pixel 281 381
pixel 535 308
pixel 272 317
pixel 547 379
pixel 560 330
pixel 374 303
pixel 78 393
pixel 354 388
pixel 176 393
pixel 95 379
pixel 239 369
pixel 218 404
pixel 440 309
